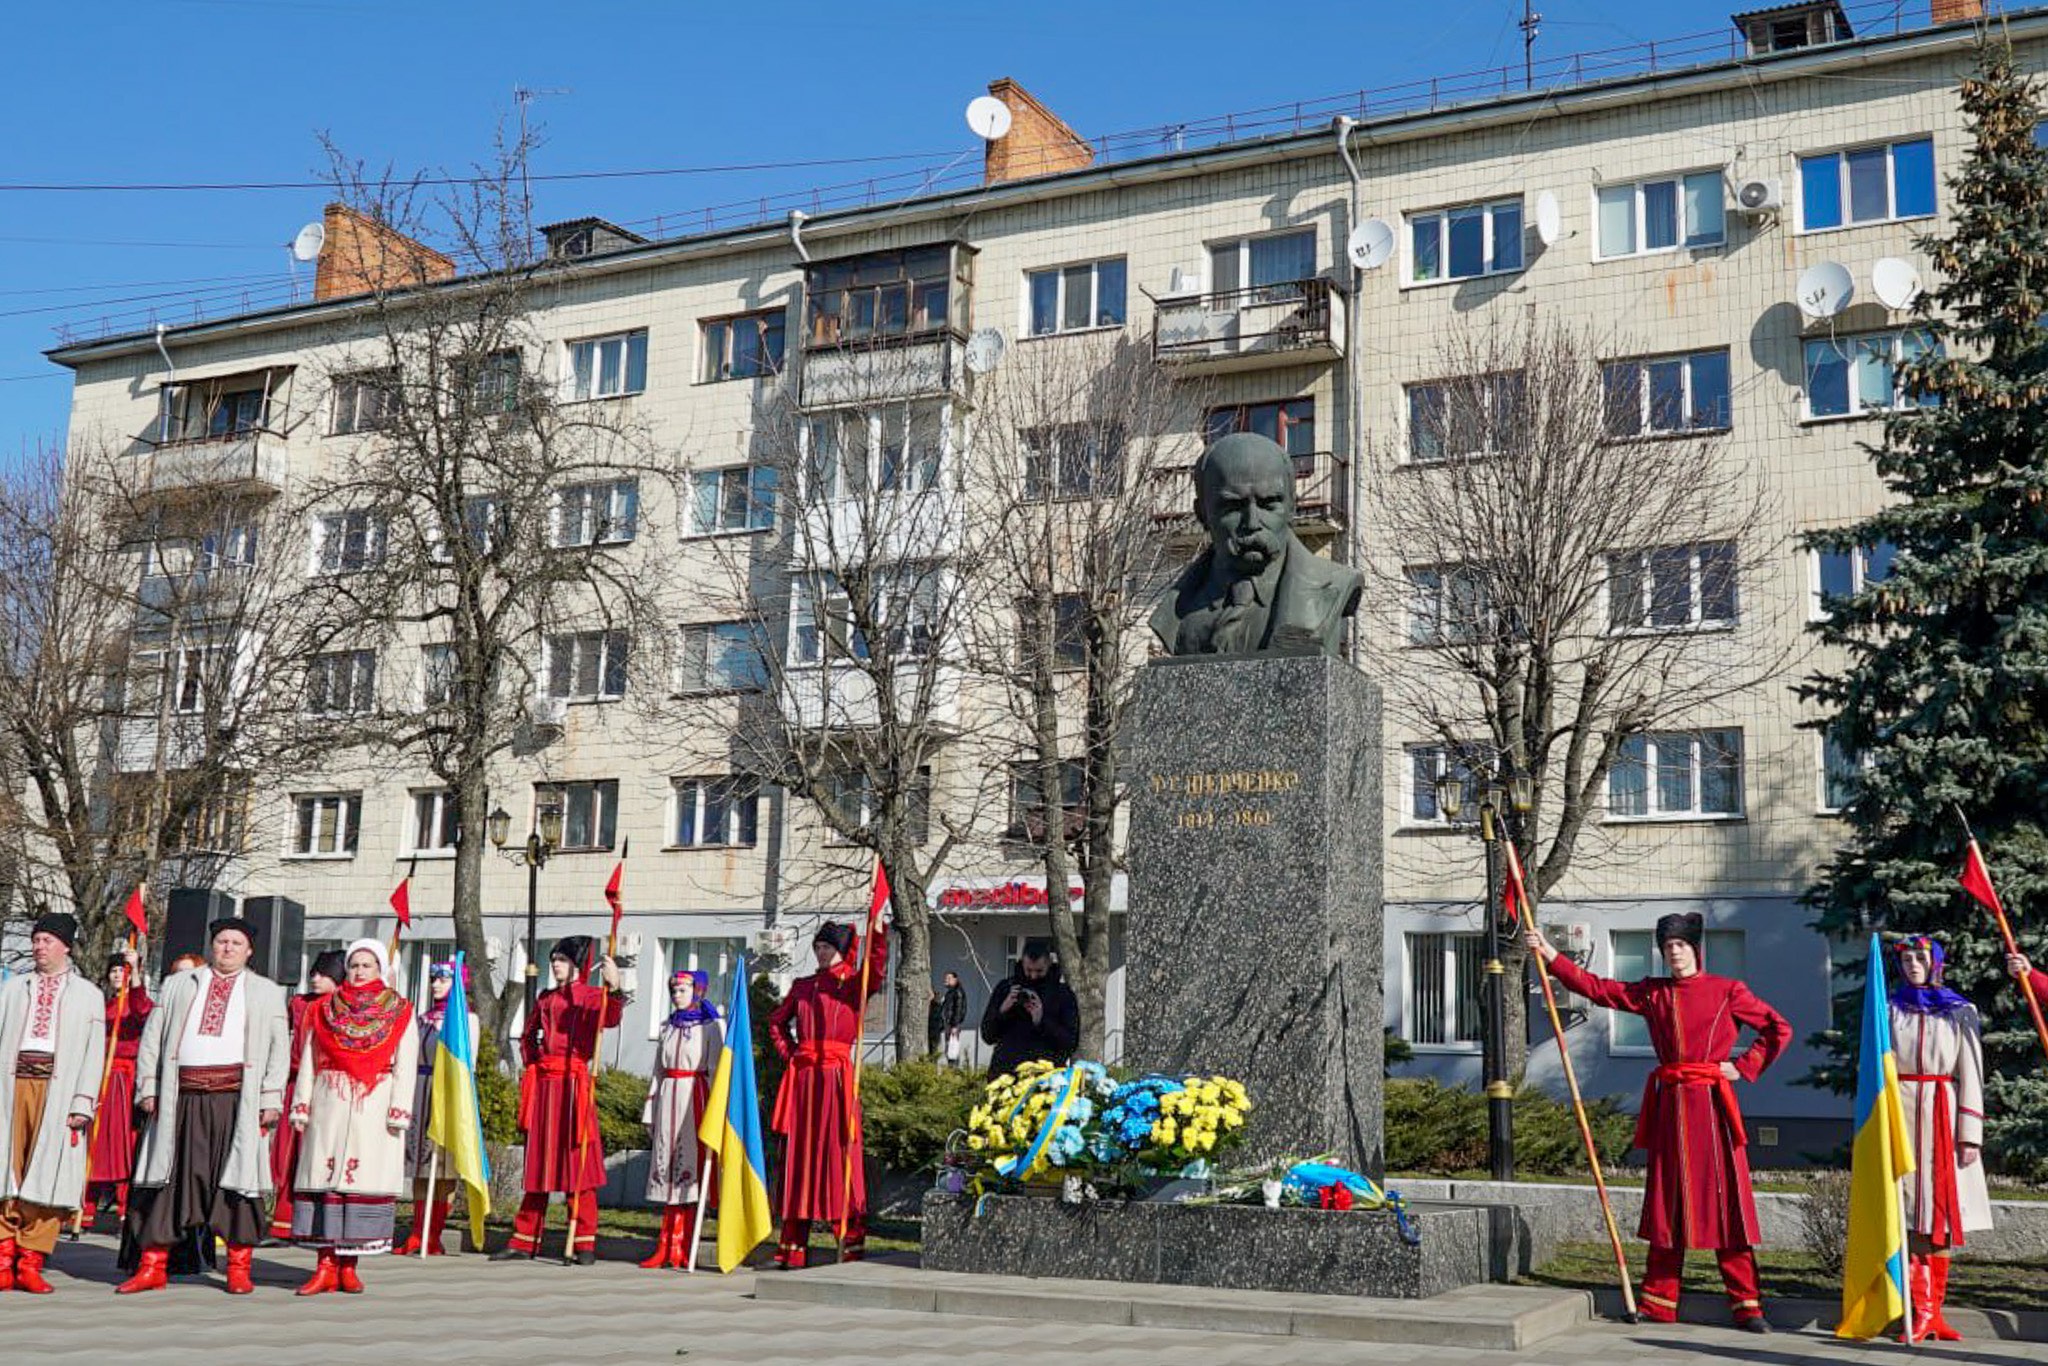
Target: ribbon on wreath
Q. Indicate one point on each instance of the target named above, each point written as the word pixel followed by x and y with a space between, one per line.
pixel 1070 1079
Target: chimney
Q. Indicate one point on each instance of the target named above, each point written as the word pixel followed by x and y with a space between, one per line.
pixel 1952 11
pixel 1039 141
pixel 361 256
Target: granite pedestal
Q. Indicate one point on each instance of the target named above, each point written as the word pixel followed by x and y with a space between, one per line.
pixel 1253 941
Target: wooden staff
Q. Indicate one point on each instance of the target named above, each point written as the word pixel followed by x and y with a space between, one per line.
pixel 92 1133
pixel 876 900
pixel 1519 889
pixel 1997 910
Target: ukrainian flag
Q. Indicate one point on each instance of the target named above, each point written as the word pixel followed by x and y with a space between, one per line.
pixel 732 1130
pixel 1874 1268
pixel 455 1121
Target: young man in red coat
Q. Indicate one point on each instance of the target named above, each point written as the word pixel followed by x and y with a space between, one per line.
pixel 113 1139
pixel 815 1030
pixel 1697 1190
pixel 557 1108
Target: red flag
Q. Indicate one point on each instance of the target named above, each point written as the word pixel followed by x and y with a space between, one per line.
pixel 1976 880
pixel 137 911
pixel 613 895
pixel 401 901
pixel 880 896
pixel 1515 896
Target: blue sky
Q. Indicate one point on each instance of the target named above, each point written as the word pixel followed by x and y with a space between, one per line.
pixel 163 92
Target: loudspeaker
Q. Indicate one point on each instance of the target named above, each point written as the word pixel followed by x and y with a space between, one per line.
pixel 190 911
pixel 280 925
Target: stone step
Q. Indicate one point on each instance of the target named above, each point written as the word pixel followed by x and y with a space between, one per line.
pixel 1976 1325
pixel 1497 1317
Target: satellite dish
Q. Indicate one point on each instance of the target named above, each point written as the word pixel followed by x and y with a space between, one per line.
pixel 1549 219
pixel 306 246
pixel 1895 282
pixel 985 351
pixel 1371 244
pixel 988 116
pixel 1825 289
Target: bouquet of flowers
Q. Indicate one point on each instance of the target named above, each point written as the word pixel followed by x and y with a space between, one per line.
pixel 1043 1123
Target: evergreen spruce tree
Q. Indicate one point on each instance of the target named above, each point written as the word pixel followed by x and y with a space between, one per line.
pixel 1944 688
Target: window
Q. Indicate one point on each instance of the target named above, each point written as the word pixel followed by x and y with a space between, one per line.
pixel 587 666
pixel 737 498
pixel 1070 619
pixel 327 824
pixel 436 828
pixel 1722 952
pixel 1465 242
pixel 486 524
pixel 1464 418
pixel 716 811
pixel 893 449
pixel 490 384
pixel 606 367
pixel 715 958
pixel 1867 185
pixel 590 813
pixel 852 797
pixel 1289 423
pixel 1677 774
pixel 1841 770
pixel 747 346
pixel 198 675
pixel 1077 460
pixel 1849 376
pixel 342 683
pixel 602 513
pixel 1074 298
pixel 907 608
pixel 365 402
pixel 1030 817
pixel 227 547
pixel 1665 395
pixel 439 685
pixel 216 822
pixel 1444 976
pixel 883 296
pixel 212 412
pixel 1449 605
pixel 1267 269
pixel 1672 587
pixel 1426 764
pixel 1660 215
pixel 720 656
pixel 348 542
pixel 910 447
pixel 1844 573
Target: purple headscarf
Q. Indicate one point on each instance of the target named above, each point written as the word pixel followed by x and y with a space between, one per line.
pixel 699 1009
pixel 1934 998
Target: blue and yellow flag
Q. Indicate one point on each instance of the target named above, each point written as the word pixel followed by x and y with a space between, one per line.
pixel 455 1120
pixel 732 1130
pixel 1874 1268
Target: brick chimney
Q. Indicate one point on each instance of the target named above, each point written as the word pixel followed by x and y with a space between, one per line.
pixel 1039 141
pixel 1950 11
pixel 362 255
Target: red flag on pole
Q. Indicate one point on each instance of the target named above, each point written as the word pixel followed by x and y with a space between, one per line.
pixel 137 911
pixel 1976 880
pixel 614 897
pixel 879 898
pixel 401 901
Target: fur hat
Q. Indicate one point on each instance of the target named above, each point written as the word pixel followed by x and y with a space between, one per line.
pixel 837 933
pixel 235 923
pixel 62 924
pixel 1691 927
pixel 575 947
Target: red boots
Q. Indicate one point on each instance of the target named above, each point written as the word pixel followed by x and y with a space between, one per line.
pixel 240 1264
pixel 323 1278
pixel 429 1231
pixel 1937 1277
pixel 792 1251
pixel 28 1274
pixel 672 1243
pixel 150 1274
pixel 345 1278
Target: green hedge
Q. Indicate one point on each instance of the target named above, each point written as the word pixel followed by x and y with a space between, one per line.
pixel 1440 1130
pixel 911 1109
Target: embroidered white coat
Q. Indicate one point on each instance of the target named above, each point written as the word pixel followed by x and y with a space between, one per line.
pixel 266 1054
pixel 56 1169
pixel 1942 1046
pixel 673 1110
pixel 355 1145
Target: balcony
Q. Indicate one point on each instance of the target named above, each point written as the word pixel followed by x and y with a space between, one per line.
pixel 1296 323
pixel 1322 497
pixel 839 696
pixel 886 326
pixel 895 370
pixel 205 595
pixel 135 743
pixel 250 463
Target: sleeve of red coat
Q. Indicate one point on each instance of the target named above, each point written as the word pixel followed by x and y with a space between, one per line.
pixel 1773 1032
pixel 876 947
pixel 778 1025
pixel 614 1009
pixel 1601 991
pixel 2039 981
pixel 529 1037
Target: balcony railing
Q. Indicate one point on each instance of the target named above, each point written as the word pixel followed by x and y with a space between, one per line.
pixel 1322 495
pixel 203 595
pixel 1292 323
pixel 249 462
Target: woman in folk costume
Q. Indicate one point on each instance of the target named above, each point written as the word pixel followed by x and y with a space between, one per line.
pixel 684 1059
pixel 430 1205
pixel 815 1030
pixel 352 1108
pixel 328 972
pixel 1936 1040
pixel 1696 1192
pixel 113 1139
pixel 557 1106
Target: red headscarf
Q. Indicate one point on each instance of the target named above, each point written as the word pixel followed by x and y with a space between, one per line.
pixel 356 1032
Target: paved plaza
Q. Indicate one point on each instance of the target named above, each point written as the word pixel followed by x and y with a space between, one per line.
pixel 463 1309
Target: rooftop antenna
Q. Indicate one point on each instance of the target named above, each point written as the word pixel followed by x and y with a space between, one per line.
pixel 523 96
pixel 305 247
pixel 1529 26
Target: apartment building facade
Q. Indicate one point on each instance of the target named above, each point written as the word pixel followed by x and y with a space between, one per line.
pixel 1232 260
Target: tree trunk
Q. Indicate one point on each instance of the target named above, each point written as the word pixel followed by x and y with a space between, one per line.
pixel 913 954
pixel 472 800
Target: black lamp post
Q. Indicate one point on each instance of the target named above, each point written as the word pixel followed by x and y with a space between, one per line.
pixel 541 841
pixel 1496 804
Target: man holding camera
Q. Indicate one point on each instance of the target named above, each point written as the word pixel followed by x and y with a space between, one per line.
pixel 1031 1015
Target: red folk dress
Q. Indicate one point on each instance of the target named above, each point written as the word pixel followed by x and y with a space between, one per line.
pixel 113 1142
pixel 1697 1193
pixel 815 1030
pixel 557 1108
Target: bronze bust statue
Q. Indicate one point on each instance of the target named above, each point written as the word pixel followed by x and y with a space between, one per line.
pixel 1257 589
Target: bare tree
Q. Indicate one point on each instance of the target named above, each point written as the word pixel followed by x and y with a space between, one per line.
pixel 1560 547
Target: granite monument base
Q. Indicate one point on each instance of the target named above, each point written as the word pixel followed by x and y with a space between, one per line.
pixel 1224 1247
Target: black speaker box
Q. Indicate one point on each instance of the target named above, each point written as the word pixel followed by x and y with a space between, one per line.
pixel 279 923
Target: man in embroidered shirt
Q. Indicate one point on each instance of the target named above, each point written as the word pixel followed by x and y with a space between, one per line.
pixel 53 1038
pixel 210 1077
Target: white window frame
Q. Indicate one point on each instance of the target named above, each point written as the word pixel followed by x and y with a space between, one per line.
pixel 1073 462
pixel 586 365
pixel 1239 294
pixel 603 794
pixel 431 810
pixel 1489 211
pixel 1858 763
pixel 1433 622
pixel 577 521
pixel 480 527
pixel 1621 1021
pixel 1472 942
pixel 1646 407
pixel 336 529
pixel 1845 345
pixel 438 686
pixel 1843 188
pixel 695 789
pixel 865 803
pixel 819 604
pixel 188 672
pixel 1640 217
pixel 607 653
pixel 883 428
pixel 718 365
pixel 1696 620
pixel 360 667
pixel 1061 276
pixel 1859 575
pixel 1436 755
pixel 1489 424
pixel 758 484
pixel 345 827
pixel 694 658
pixel 1696 742
pixel 365 401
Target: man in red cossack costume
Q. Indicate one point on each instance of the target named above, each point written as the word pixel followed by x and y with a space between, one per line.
pixel 557 1107
pixel 815 1030
pixel 113 1139
pixel 1697 1193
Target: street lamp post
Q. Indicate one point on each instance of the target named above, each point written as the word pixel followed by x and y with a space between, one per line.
pixel 541 841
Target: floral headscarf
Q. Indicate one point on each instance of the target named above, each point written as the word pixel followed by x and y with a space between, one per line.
pixel 1934 998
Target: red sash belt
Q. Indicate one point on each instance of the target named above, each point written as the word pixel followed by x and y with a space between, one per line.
pixel 1690 1074
pixel 34 1066
pixel 671 1074
pixel 562 1065
pixel 822 1053
pixel 548 1065
pixel 1938 1079
pixel 809 1055
pixel 210 1080
pixel 124 1064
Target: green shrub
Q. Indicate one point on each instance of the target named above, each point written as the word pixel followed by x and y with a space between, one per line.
pixel 911 1108
pixel 1441 1130
pixel 762 998
pixel 497 1095
pixel 620 1095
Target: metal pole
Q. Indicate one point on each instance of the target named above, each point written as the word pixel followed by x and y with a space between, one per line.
pixel 532 933
pixel 1500 1095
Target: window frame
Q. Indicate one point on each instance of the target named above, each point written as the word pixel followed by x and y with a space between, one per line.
pixel 1022 773
pixel 742 804
pixel 603 793
pixel 1442 217
pixel 760 485
pixel 1499 386
pixel 1448 630
pixel 585 378
pixel 1860 560
pixel 877 472
pixel 432 809
pixel 305 827
pixel 1084 461
pixel 1227 419
pixel 709 631
pixel 331 529
pixel 1060 276
pixel 594 527
pixel 361 666
pixel 1640 623
pixel 1438 757
pixel 837 789
pixel 1646 398
pixel 1455 975
pixel 441 681
pixel 612 664
pixel 716 336
pixel 1901 400
pixel 1241 291
pixel 1844 184
pixel 1653 743
pixel 1639 216
pixel 365 401
pixel 1622 1022
pixel 1827 774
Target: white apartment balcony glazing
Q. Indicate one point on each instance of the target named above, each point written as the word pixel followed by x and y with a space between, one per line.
pixel 1293 323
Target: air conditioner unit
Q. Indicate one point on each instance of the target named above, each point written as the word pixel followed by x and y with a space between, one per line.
pixel 1183 283
pixel 1574 937
pixel 547 713
pixel 1759 197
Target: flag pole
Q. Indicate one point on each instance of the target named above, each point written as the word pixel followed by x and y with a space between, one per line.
pixel 876 897
pixel 426 1221
pixel 707 1164
pixel 1997 909
pixel 1526 913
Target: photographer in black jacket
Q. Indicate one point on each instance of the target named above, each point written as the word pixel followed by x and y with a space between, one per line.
pixel 1033 1014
